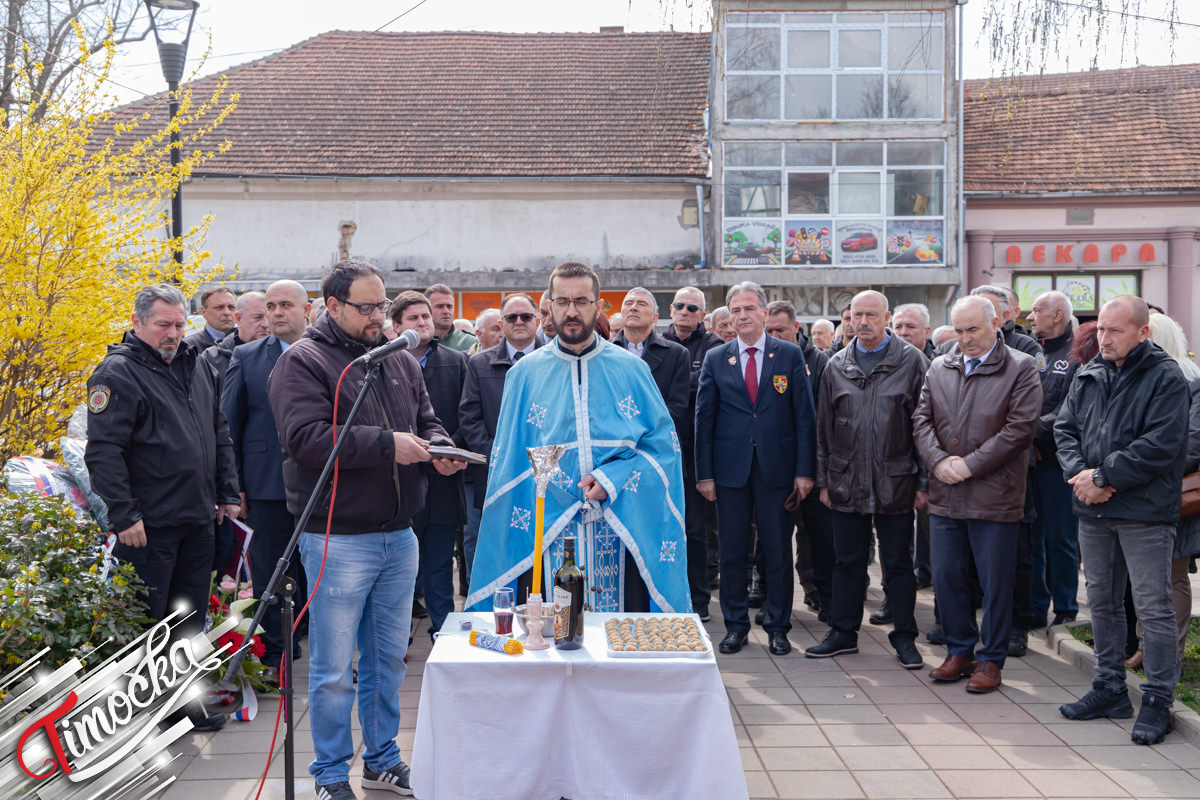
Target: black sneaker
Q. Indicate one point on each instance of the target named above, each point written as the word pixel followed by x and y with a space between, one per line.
pixel 910 657
pixel 883 616
pixel 1063 616
pixel 335 791
pixel 1153 721
pixel 936 635
pixel 1018 642
pixel 392 779
pixel 704 615
pixel 835 643
pixel 1098 703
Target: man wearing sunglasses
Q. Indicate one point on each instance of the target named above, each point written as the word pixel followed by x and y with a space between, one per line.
pixel 618 486
pixel 479 408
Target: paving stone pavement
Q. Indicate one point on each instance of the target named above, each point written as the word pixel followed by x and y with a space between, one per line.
pixel 856 726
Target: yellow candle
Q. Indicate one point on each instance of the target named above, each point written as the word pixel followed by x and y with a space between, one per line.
pixel 538 522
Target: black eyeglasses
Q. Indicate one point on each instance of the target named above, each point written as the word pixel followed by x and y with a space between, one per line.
pixel 681 306
pixel 367 309
pixel 511 318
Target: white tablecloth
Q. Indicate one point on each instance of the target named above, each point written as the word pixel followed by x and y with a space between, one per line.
pixel 601 727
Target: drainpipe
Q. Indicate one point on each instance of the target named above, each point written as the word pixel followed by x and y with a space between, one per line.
pixel 962 198
pixel 700 210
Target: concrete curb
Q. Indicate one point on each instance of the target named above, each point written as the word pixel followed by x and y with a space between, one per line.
pixel 1083 658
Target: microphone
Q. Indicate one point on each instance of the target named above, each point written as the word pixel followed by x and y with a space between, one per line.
pixel 404 341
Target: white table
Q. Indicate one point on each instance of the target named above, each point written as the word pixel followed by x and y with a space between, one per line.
pixel 603 727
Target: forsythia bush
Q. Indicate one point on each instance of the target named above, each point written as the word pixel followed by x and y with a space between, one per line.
pixel 84 197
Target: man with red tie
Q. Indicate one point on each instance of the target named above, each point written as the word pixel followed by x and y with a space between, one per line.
pixel 755 445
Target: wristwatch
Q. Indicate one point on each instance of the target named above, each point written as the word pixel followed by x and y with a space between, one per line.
pixel 1098 479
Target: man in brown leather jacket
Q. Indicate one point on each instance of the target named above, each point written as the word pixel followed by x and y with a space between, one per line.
pixel 973 426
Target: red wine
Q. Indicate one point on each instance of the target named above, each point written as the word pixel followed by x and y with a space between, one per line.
pixel 504 622
pixel 568 601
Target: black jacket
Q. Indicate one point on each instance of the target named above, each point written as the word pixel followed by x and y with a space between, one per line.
pixel 444 371
pixel 479 407
pixel 866 457
pixel 251 423
pixel 1057 370
pixel 374 492
pixel 158 447
pixel 669 366
pixel 1132 422
pixel 816 361
pixel 219 355
pixel 1012 337
pixel 698 343
pixel 201 339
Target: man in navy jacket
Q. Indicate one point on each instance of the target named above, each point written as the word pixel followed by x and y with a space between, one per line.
pixel 755 445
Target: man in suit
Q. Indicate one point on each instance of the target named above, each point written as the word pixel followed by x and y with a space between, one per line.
pixel 259 455
pixel 218 307
pixel 755 444
pixel 444 370
pixel 479 407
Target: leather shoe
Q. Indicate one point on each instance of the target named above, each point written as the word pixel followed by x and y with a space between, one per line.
pixel 953 668
pixel 1134 662
pixel 760 616
pixel 883 616
pixel 732 642
pixel 778 643
pixel 985 678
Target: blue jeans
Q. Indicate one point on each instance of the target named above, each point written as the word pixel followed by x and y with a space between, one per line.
pixel 364 598
pixel 1114 551
pixel 1055 543
pixel 471 529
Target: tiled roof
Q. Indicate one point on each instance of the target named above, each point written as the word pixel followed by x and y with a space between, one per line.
pixel 1104 131
pixel 471 105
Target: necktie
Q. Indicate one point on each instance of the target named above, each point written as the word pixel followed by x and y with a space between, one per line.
pixel 972 365
pixel 751 375
pixel 518 355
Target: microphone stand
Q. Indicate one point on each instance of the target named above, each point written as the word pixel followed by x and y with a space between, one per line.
pixel 279 591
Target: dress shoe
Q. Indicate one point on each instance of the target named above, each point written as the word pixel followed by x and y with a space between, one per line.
pixel 883 616
pixel 909 655
pixel 759 616
pixel 812 601
pixel 1099 702
pixel 1134 662
pixel 704 615
pixel 823 615
pixel 936 635
pixel 835 643
pixel 1061 617
pixel 418 610
pixel 778 643
pixel 733 641
pixel 757 595
pixel 924 581
pixel 985 678
pixel 953 668
pixel 1018 642
pixel 1153 721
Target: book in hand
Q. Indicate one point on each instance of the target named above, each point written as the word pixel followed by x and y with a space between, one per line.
pixel 456 454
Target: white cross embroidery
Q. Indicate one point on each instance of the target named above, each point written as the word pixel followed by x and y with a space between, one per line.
pixel 632 482
pixel 562 480
pixel 675 441
pixel 520 518
pixel 537 415
pixel 668 552
pixel 628 407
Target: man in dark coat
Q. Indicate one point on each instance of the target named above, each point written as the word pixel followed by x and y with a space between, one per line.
pixel 479 407
pixel 1122 444
pixel 218 307
pixel 159 454
pixel 911 323
pixel 251 316
pixel 444 370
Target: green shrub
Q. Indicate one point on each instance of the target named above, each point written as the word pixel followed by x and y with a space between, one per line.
pixel 51 590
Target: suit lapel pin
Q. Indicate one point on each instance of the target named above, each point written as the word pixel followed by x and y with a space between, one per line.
pixel 733 360
pixel 770 355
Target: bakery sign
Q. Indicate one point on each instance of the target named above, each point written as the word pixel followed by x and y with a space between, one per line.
pixel 1112 253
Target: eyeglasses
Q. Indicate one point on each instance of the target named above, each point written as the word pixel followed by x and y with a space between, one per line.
pixel 580 303
pixel 689 306
pixel 367 309
pixel 511 318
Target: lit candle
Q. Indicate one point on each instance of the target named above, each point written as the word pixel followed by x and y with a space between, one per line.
pixel 538 523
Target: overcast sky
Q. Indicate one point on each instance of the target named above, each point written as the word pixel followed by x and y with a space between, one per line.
pixel 242 31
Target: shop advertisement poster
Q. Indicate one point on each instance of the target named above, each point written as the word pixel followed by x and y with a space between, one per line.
pixel 1081 289
pixel 1028 287
pixel 752 243
pixel 915 241
pixel 809 242
pixel 860 243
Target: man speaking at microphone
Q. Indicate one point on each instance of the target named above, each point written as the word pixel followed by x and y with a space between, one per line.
pixel 365 593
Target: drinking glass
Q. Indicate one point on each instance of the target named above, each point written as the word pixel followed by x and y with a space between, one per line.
pixel 502 606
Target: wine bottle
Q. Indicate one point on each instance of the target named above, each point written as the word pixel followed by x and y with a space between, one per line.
pixel 568 600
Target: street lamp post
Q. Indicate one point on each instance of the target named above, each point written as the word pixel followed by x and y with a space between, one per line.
pixel 167 16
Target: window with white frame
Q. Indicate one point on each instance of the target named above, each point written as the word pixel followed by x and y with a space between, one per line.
pixel 823 203
pixel 822 66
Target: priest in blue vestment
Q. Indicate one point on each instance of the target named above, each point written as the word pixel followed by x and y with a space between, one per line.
pixel 619 484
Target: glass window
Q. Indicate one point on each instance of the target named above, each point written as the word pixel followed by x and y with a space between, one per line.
pixel 915 48
pixel 752 154
pixel 752 193
pixel 808 192
pixel 915 193
pixel 752 49
pixel 860 154
pixel 859 96
pixel 808 18
pixel 803 154
pixel 752 96
pixel 916 153
pixel 807 49
pixel 859 17
pixel 858 48
pixel 915 96
pixel 809 97
pixel 858 192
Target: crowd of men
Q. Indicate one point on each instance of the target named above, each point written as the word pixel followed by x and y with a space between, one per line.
pixel 984 464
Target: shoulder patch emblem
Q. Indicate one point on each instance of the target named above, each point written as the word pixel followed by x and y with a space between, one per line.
pixel 1041 362
pixel 780 382
pixel 98 397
